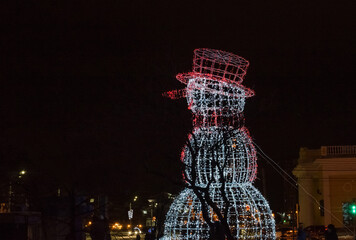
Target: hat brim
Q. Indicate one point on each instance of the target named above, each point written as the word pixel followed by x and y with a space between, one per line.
pixel 185 77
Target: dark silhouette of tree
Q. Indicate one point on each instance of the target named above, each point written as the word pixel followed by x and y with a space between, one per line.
pixel 218 229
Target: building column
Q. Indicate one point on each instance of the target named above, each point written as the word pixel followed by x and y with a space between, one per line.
pixel 326 196
pixel 306 203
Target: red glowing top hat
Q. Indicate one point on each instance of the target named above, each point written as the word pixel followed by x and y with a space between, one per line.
pixel 217 64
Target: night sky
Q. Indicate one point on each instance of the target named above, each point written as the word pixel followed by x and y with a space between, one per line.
pixel 81 84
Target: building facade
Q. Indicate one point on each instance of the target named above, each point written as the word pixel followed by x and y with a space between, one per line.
pixel 326 180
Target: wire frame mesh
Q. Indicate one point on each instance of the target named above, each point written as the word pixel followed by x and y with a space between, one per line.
pixel 220 64
pixel 232 149
pixel 249 215
pixel 210 97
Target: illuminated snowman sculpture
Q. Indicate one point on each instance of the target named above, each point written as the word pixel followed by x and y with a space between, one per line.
pixel 219 144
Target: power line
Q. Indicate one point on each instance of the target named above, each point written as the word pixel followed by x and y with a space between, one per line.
pixel 291 179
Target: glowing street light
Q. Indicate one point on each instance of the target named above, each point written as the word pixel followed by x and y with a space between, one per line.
pixel 130 212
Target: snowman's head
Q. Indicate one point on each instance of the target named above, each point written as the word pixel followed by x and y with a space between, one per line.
pixel 207 96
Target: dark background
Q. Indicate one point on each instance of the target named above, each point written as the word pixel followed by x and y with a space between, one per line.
pixel 81 84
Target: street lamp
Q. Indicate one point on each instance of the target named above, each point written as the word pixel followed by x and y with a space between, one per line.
pixel 13 178
pixel 21 173
pixel 130 213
